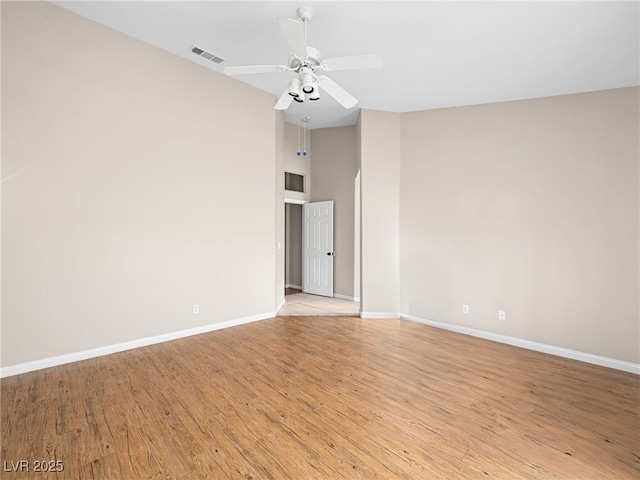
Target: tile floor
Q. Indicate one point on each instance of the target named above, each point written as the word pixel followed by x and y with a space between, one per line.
pixel 315 305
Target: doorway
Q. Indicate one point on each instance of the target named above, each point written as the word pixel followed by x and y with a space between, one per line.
pixel 306 304
pixel 293 246
pixel 297 302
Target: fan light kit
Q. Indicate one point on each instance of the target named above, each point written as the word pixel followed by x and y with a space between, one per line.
pixel 305 61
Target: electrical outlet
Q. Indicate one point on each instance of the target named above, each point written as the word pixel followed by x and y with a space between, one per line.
pixel 196 309
pixel 502 315
pixel 465 309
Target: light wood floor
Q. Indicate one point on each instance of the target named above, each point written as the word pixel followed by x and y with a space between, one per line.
pixel 325 398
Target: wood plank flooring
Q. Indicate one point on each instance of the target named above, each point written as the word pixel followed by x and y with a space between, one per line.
pixel 324 398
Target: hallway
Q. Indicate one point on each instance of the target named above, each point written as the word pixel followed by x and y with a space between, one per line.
pixel 298 303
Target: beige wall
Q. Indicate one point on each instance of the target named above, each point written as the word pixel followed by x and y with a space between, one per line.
pixel 280 223
pixel 378 155
pixel 292 163
pixel 300 165
pixel 127 195
pixel 333 171
pixel 531 207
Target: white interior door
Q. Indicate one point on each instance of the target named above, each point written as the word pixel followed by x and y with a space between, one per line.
pixel 317 248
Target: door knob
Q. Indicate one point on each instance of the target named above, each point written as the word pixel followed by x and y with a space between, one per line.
pixel 330 253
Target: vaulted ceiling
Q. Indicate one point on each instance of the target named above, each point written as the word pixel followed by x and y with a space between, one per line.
pixel 435 54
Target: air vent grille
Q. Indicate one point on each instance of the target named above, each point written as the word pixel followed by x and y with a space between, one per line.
pixel 208 55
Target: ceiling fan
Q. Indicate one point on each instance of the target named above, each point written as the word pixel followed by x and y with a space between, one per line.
pixel 305 61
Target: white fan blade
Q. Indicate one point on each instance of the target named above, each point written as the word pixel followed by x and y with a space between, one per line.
pixel 294 35
pixel 343 97
pixel 254 69
pixel 284 101
pixel 353 62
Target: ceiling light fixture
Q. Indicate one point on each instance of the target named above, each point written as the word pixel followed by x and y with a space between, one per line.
pixel 316 92
pixel 305 61
pixel 294 89
pixel 306 78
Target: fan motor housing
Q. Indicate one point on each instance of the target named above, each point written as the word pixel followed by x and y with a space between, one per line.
pixel 305 13
pixel 312 60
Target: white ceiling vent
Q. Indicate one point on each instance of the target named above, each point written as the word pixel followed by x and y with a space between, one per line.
pixel 208 55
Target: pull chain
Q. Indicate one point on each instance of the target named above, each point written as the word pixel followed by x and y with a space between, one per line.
pixel 304 152
pixel 304 133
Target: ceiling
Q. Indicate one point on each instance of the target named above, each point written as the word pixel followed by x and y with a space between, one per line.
pixel 435 54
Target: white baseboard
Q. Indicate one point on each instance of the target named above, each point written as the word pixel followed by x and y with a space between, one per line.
pixel 539 347
pixel 346 297
pixel 379 314
pixel 279 307
pixel 336 295
pixel 120 347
